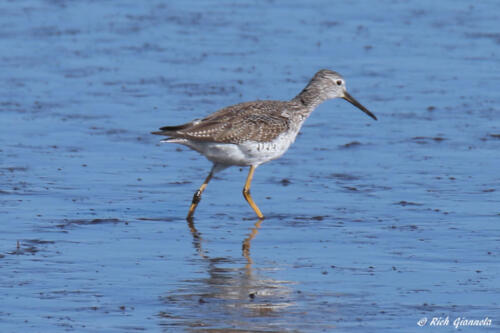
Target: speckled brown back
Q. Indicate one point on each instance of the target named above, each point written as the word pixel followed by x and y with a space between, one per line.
pixel 259 121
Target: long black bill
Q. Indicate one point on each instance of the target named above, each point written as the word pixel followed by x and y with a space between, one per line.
pixel 357 104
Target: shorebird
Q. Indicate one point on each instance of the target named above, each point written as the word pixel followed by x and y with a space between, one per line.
pixel 253 133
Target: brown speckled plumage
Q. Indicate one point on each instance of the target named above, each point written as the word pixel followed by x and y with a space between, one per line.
pixel 259 121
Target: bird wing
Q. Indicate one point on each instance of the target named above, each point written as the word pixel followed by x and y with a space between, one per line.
pixel 259 121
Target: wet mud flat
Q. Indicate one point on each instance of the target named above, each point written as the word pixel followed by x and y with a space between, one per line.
pixel 370 226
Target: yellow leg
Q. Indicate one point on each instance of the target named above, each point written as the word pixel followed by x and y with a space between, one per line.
pixel 197 194
pixel 246 193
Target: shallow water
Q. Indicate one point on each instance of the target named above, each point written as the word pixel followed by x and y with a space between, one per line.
pixel 371 226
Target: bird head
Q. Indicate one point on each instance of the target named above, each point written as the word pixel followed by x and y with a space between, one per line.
pixel 329 84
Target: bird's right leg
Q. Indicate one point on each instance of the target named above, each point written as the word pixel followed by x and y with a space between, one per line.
pixel 197 194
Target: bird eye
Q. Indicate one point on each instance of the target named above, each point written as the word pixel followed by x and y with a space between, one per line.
pixel 339 82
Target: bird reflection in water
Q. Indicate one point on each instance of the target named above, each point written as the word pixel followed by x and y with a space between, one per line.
pixel 196 237
pixel 231 293
pixel 247 242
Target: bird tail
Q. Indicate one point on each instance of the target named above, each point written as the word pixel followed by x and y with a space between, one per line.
pixel 174 140
pixel 169 130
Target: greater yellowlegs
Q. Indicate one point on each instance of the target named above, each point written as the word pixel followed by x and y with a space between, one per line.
pixel 252 133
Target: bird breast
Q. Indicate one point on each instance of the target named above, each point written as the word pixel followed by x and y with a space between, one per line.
pixel 245 153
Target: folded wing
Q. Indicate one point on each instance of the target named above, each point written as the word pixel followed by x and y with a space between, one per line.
pixel 259 121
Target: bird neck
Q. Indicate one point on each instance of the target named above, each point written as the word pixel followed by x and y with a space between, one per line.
pixel 311 96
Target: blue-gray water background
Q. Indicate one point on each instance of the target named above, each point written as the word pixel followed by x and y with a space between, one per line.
pixel 371 226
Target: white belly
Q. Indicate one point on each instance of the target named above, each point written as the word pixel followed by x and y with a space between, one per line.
pixel 244 154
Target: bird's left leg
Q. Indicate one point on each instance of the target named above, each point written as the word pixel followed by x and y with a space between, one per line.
pixel 246 193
